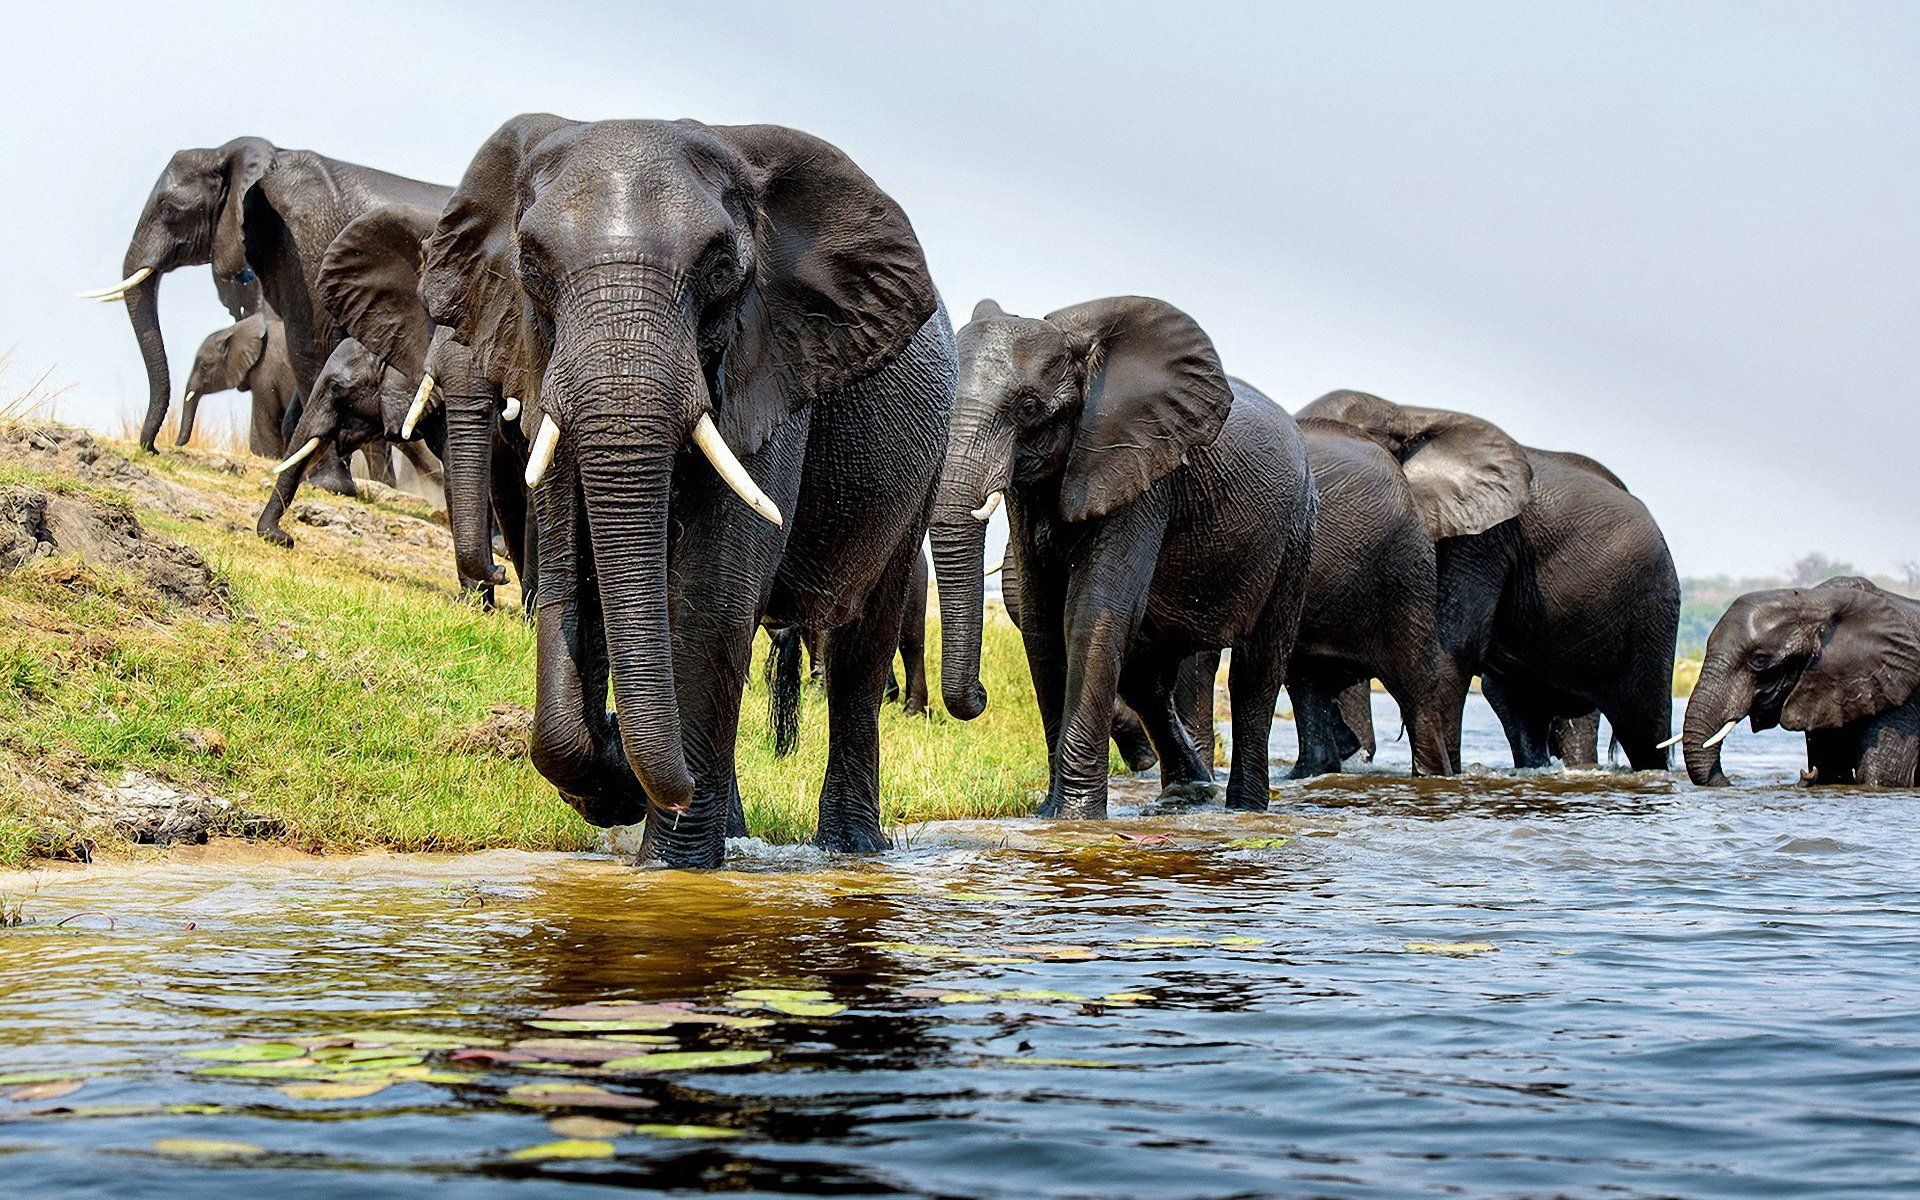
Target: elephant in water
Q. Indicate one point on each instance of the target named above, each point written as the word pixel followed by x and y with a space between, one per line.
pixel 1555 584
pixel 1157 508
pixel 262 216
pixel 742 376
pixel 1840 661
pixel 249 355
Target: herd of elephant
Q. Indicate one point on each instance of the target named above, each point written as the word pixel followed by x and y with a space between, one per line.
pixel 700 381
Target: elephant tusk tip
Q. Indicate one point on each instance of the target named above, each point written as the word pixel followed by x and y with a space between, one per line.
pixel 1671 742
pixel 1721 736
pixel 986 510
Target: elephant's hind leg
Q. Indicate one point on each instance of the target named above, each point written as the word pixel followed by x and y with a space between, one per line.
pixel 1890 748
pixel 1148 685
pixel 1254 676
pixel 1523 715
pixel 859 657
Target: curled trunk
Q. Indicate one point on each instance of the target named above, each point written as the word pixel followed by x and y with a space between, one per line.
pixel 1722 694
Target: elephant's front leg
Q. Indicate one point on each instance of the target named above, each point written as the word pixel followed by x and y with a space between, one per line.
pixel 859 660
pixel 1890 748
pixel 1316 722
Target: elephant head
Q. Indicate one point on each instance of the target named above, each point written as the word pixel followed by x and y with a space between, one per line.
pixel 1084 410
pixel 644 285
pixel 356 395
pixel 195 215
pixel 225 360
pixel 1467 475
pixel 1804 659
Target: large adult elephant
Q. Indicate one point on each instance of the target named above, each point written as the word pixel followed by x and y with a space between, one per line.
pixel 369 284
pixel 1840 661
pixel 1555 584
pixel 249 355
pixel 692 311
pixel 1157 509
pixel 255 212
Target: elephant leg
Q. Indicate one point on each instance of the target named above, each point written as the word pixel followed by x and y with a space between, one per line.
pixel 1522 715
pixel 1575 741
pixel 1353 732
pixel 1315 717
pixel 1831 756
pixel 710 672
pixel 1254 677
pixel 1890 748
pixel 1642 718
pixel 1147 684
pixel 1193 701
pixel 913 647
pixel 1043 633
pixel 1131 740
pixel 736 813
pixel 859 658
pixel 1424 723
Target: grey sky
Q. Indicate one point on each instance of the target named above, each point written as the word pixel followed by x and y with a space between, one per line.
pixel 1682 239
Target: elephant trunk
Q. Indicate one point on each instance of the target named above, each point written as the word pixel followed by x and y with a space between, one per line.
pixel 1723 694
pixel 469 483
pixel 143 309
pixel 959 548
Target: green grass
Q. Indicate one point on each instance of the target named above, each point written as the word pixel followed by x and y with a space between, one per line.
pixel 339 688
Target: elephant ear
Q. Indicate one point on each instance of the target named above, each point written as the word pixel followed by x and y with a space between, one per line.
pixel 840 284
pixel 1154 390
pixel 471 277
pixel 1868 661
pixel 246 342
pixel 246 161
pixel 370 282
pixel 1467 474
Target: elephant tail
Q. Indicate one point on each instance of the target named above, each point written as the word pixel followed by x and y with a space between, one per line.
pixel 783 690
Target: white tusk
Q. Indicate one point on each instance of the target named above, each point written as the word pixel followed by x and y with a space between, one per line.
pixel 1671 742
pixel 188 398
pixel 119 290
pixel 512 411
pixel 986 510
pixel 1717 738
pixel 544 444
pixel 419 408
pixel 706 435
pixel 996 568
pixel 298 456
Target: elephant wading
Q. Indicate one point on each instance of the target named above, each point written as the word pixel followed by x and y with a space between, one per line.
pixel 742 379
pixel 249 355
pixel 1157 509
pixel 255 212
pixel 1555 585
pixel 1840 661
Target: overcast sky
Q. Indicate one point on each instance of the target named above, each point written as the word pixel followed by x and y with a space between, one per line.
pixel 1684 239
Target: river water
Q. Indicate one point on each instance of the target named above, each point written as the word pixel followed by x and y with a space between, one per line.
pixel 1557 984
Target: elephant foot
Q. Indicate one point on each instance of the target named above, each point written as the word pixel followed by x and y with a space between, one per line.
pixel 1140 760
pixel 1190 793
pixel 1311 768
pixel 852 839
pixel 276 536
pixel 1081 808
pixel 1251 804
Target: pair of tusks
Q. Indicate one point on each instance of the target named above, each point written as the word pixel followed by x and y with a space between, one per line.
pixel 986 510
pixel 107 295
pixel 298 456
pixel 1709 744
pixel 706 435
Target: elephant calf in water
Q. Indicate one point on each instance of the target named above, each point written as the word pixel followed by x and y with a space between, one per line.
pixel 1157 507
pixel 249 355
pixel 1840 661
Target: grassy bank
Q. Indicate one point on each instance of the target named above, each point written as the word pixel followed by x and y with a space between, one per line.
pixel 344 700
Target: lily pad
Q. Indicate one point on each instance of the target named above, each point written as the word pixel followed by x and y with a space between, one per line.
pixel 1056 953
pixel 1166 940
pixel 794 995
pixel 690 1060
pixel 1258 843
pixel 1129 998
pixel 574 1095
pixel 611 1026
pixel 685 1131
pixel 1455 948
pixel 194 1110
pixel 102 1110
pixel 334 1091
pixel 245 1052
pixel 292 1068
pixel 577 1050
pixel 1239 940
pixel 188 1147
pixel 41 1077
pixel 53 1089
pixel 566 1148
pixel 1035 1060
pixel 589 1127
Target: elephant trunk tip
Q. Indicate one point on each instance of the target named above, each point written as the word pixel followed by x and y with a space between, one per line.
pixel 968 703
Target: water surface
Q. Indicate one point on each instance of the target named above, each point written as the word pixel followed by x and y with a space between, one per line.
pixel 1546 984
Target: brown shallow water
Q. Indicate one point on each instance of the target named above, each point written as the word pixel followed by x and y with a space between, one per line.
pixel 1508 985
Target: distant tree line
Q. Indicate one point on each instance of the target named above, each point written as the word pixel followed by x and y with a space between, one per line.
pixel 1704 598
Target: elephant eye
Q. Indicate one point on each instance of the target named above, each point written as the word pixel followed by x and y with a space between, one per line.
pixel 1761 660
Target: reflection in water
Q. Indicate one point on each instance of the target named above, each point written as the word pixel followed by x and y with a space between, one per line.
pixel 1687 993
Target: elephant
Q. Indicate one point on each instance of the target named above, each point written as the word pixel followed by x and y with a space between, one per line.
pixel 1839 661
pixel 356 401
pixel 783 669
pixel 263 217
pixel 1555 584
pixel 742 376
pixel 369 284
pixel 1156 509
pixel 249 355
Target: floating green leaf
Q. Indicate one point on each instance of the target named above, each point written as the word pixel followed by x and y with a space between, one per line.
pixel 1166 940
pixel 1456 948
pixel 292 1068
pixel 41 1076
pixel 589 1127
pixel 334 1091
pixel 194 1110
pixel 53 1089
pixel 104 1110
pixel 685 1131
pixel 598 1026
pixel 1129 998
pixel 576 1095
pixel 188 1147
pixel 690 1060
pixel 1239 940
pixel 792 995
pixel 243 1052
pixel 1258 843
pixel 567 1148
pixel 1035 1060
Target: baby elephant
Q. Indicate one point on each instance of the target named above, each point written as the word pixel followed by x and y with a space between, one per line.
pixel 1840 661
pixel 1157 509
pixel 250 355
